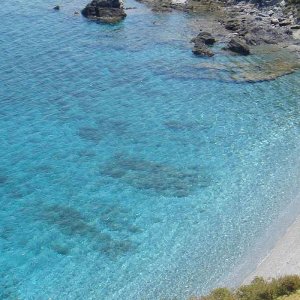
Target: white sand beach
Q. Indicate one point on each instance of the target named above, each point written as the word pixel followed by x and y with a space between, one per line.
pixel 284 258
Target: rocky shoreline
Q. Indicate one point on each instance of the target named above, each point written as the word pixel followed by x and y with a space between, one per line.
pixel 245 24
pixel 271 33
pixel 231 28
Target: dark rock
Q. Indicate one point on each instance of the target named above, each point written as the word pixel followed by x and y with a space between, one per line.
pixel 202 50
pixel 238 46
pixel 200 44
pixel 57 7
pixel 285 22
pixel 204 37
pixel 232 24
pixel 108 11
pixel 76 13
pixel 295 26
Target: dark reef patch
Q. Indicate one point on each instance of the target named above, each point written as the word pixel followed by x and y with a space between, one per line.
pixel 156 177
pixel 90 134
pixel 176 125
pixel 3 179
pixel 110 235
pixel 118 127
pixel 68 220
pixel 86 153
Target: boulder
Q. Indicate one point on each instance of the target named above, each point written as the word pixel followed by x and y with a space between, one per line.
pixel 232 24
pixel 285 22
pixel 238 46
pixel 204 37
pixel 57 7
pixel 202 50
pixel 201 42
pixel 108 11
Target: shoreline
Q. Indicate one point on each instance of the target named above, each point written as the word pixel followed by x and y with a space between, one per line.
pixel 276 253
pixel 284 257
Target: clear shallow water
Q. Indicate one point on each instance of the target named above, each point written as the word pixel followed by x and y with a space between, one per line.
pixel 124 172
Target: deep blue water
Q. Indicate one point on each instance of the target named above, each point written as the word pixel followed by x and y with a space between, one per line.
pixel 125 172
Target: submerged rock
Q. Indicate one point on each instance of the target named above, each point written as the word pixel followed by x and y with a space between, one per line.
pixel 106 236
pixel 204 37
pixel 238 46
pixel 108 11
pixel 156 177
pixel 200 44
pixel 202 50
pixel 3 179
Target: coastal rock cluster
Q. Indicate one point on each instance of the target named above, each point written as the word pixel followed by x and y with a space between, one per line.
pixel 248 25
pixel 108 11
pixel 258 29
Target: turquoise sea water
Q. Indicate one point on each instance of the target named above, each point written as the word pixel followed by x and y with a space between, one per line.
pixel 125 172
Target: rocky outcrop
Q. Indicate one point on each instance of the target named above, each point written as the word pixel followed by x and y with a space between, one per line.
pixel 201 43
pixel 238 46
pixel 256 32
pixel 108 11
pixel 204 37
pixel 202 50
pixel 161 6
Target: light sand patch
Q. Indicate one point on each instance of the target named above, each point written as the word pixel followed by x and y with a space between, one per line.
pixel 284 258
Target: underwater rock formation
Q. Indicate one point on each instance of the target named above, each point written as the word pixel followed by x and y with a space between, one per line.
pixel 3 179
pixel 112 237
pixel 90 134
pixel 108 11
pixel 160 178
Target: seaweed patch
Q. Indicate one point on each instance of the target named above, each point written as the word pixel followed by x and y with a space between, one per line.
pixel 160 178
